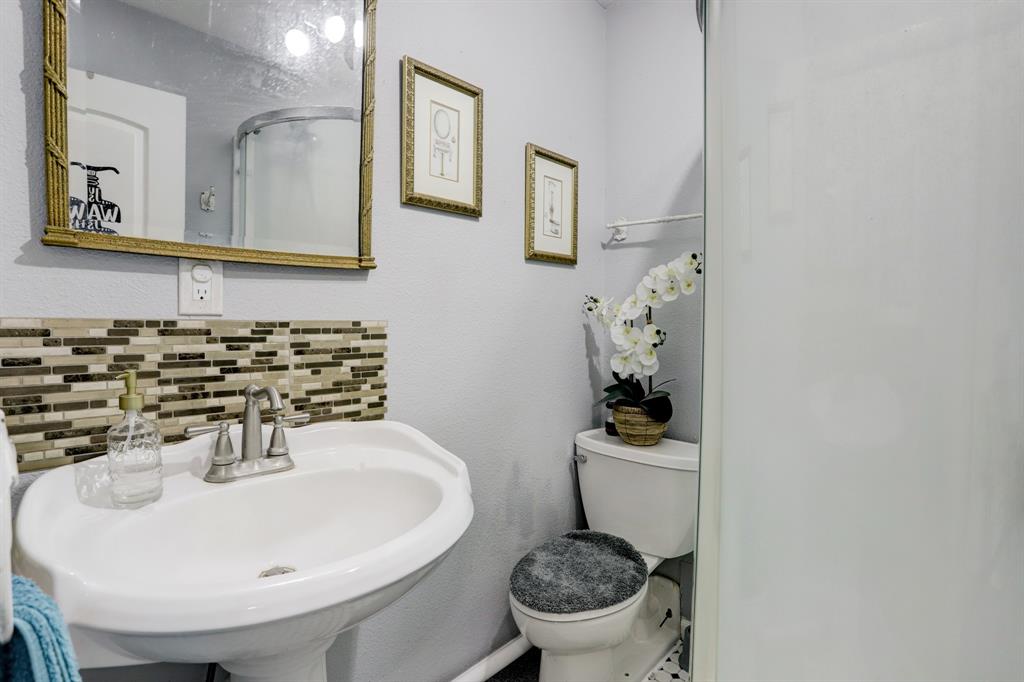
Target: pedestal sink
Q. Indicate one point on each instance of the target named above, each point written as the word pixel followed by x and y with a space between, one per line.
pixel 259 575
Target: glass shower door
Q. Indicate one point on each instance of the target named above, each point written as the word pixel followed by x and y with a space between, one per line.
pixel 862 465
pixel 298 187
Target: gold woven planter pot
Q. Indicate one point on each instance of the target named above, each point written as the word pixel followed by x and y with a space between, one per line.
pixel 636 428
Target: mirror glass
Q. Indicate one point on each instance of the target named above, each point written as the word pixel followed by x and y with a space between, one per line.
pixel 217 122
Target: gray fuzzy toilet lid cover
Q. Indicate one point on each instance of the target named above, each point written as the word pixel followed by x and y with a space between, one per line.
pixel 583 570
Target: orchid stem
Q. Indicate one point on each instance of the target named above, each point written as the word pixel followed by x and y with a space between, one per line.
pixel 650 379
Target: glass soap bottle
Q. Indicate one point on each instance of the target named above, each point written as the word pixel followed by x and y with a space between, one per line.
pixel 133 453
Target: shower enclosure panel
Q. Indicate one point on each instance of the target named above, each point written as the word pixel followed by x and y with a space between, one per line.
pixel 298 181
pixel 862 468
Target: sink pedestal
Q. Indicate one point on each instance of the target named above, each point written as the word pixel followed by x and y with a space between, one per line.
pixel 308 664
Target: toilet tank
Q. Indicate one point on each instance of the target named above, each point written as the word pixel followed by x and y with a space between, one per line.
pixel 647 495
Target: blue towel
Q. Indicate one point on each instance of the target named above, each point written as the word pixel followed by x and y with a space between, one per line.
pixel 40 650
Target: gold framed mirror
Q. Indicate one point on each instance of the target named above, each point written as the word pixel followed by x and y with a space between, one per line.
pixel 220 132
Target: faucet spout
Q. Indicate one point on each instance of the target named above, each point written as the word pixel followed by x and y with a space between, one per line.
pixel 252 437
pixel 269 393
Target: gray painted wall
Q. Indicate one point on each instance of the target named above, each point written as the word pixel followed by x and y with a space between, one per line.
pixel 487 352
pixel 654 146
pixel 489 355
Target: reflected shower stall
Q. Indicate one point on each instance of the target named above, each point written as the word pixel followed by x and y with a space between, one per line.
pixel 296 185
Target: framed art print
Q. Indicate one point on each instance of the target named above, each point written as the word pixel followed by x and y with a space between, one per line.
pixel 442 140
pixel 552 188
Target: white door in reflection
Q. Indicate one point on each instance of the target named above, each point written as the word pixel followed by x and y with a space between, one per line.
pixel 126 154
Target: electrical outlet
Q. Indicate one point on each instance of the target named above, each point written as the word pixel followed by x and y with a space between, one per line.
pixel 200 287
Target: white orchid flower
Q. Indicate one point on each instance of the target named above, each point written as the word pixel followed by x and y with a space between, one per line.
pixel 619 363
pixel 646 354
pixel 631 308
pixel 634 366
pixel 648 297
pixel 610 315
pixel 652 335
pixel 631 338
pixel 660 272
pixel 626 364
pixel 618 332
pixel 637 349
pixel 651 369
pixel 677 268
pixel 668 289
pixel 604 311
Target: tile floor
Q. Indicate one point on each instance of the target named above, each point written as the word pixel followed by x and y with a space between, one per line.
pixel 527 667
pixel 672 668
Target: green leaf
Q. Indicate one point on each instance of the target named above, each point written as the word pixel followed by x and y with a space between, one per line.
pixel 633 385
pixel 656 394
pixel 659 409
pixel 666 381
pixel 612 393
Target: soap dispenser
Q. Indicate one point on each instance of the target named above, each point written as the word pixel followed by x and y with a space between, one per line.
pixel 133 452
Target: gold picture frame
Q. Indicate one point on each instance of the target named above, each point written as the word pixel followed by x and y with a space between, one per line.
pixel 411 68
pixel 58 230
pixel 546 237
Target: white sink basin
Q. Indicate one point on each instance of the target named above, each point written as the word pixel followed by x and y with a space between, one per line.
pixel 368 510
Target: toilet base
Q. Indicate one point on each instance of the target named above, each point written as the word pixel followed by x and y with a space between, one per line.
pixel 587 667
pixel 649 641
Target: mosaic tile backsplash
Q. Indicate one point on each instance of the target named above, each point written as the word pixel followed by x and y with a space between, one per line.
pixel 59 390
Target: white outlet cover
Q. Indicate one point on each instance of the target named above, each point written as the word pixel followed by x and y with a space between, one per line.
pixel 200 287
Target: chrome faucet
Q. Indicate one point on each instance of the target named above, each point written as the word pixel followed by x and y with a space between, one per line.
pixel 224 466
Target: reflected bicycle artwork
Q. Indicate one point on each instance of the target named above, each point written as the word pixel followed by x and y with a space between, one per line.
pixel 90 214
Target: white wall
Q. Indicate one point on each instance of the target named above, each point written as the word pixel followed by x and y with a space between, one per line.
pixel 487 352
pixel 871 160
pixel 654 142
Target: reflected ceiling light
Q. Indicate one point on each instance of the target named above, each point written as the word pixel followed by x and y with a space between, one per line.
pixel 357 34
pixel 297 42
pixel 334 28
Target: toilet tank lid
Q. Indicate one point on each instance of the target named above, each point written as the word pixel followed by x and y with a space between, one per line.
pixel 668 453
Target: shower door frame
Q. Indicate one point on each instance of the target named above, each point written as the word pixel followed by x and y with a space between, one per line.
pixel 704 633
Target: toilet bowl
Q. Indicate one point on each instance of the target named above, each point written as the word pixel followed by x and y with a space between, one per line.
pixel 577 647
pixel 647 497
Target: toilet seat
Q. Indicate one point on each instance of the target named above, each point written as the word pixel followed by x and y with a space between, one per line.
pixel 578 572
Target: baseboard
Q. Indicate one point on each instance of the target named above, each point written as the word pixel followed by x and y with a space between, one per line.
pixel 485 668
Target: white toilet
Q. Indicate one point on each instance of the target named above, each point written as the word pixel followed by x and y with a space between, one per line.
pixel 648 497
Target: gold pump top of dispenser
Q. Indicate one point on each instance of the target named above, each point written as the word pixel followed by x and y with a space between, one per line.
pixel 130 399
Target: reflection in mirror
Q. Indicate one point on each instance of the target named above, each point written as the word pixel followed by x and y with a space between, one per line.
pixel 217 122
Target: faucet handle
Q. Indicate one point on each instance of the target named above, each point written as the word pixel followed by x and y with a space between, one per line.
pixel 223 451
pixel 278 445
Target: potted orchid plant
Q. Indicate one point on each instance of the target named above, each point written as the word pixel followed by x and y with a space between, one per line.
pixel 641 409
